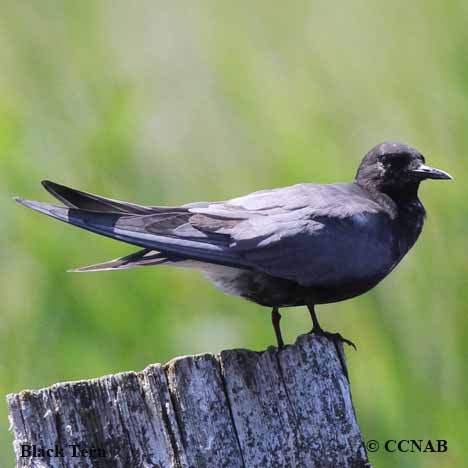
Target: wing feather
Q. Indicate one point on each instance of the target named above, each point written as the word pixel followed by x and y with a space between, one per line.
pixel 295 233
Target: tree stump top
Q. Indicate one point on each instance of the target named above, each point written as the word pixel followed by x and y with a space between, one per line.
pixel 239 409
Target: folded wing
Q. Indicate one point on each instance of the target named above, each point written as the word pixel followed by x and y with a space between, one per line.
pixel 294 232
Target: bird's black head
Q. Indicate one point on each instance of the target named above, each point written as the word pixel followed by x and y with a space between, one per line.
pixel 395 168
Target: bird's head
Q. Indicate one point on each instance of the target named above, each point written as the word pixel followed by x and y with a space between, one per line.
pixel 395 168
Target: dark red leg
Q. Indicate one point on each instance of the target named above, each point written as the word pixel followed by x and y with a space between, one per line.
pixel 275 320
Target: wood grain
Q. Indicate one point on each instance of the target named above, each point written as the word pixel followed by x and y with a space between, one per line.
pixel 240 409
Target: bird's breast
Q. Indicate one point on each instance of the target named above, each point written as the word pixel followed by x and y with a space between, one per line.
pixel 410 223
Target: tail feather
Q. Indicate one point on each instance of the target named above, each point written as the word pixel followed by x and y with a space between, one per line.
pixel 141 258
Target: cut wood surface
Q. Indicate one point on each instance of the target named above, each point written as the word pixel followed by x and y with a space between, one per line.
pixel 240 409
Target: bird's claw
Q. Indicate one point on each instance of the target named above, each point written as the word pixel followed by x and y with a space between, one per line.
pixel 335 337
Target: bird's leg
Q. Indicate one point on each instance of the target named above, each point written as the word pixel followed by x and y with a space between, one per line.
pixel 275 320
pixel 318 330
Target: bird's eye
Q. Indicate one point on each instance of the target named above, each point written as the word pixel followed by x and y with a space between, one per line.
pixel 392 158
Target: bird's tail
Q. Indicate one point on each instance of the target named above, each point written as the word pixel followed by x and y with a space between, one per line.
pixel 141 258
pixel 165 233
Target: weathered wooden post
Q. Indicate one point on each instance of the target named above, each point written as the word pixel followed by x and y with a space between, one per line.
pixel 239 409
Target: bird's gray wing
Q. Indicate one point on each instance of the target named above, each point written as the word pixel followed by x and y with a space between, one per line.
pixel 307 233
pixel 312 234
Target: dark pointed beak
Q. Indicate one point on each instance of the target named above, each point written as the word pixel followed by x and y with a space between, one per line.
pixel 428 172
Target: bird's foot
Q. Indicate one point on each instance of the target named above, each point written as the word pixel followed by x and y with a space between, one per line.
pixel 335 337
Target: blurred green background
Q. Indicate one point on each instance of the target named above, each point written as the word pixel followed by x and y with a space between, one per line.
pixel 170 102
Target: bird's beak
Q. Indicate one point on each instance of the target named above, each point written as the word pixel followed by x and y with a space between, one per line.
pixel 428 172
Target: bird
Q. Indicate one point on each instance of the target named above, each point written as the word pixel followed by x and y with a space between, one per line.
pixel 301 245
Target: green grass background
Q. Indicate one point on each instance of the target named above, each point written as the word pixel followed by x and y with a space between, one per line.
pixel 170 102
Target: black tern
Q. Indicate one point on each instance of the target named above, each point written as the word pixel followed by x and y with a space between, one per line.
pixel 305 244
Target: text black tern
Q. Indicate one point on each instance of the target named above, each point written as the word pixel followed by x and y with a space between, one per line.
pixel 306 244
